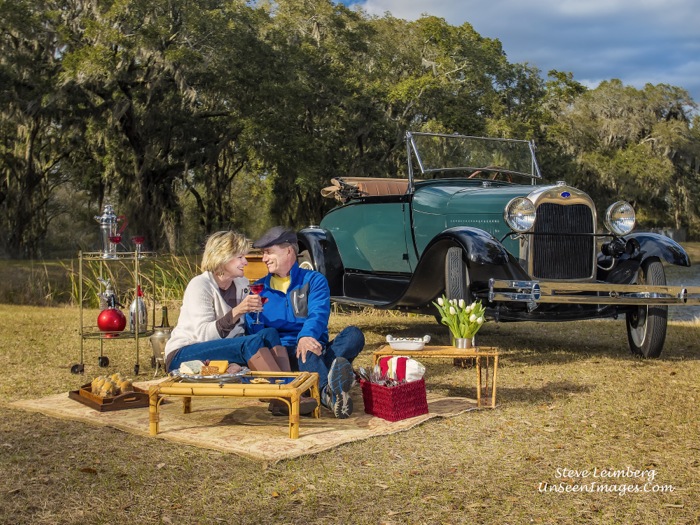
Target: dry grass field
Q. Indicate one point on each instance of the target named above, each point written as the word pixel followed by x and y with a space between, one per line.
pixel 574 406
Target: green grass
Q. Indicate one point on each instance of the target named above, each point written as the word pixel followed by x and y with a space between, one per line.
pixel 570 396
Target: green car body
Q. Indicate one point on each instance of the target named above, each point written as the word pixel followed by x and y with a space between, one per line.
pixel 474 220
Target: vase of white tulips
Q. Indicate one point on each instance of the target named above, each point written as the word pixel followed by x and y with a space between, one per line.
pixel 463 320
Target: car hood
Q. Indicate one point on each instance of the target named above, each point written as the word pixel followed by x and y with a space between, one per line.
pixel 475 199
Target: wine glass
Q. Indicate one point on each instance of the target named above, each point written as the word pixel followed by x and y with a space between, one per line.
pixel 255 289
pixel 263 300
pixel 115 240
pixel 138 241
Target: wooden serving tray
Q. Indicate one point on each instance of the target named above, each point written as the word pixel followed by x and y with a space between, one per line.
pixel 136 399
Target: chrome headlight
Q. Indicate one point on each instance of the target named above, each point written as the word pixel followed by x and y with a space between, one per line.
pixel 620 218
pixel 520 214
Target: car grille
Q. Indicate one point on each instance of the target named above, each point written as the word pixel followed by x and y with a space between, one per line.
pixel 557 254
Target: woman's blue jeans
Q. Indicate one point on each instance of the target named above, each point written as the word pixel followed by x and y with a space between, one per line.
pixel 234 350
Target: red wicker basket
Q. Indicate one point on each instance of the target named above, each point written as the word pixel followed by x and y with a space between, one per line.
pixel 396 402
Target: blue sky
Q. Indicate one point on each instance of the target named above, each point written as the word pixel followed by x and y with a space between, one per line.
pixel 636 41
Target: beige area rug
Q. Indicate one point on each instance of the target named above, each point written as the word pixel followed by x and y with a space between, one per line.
pixel 243 426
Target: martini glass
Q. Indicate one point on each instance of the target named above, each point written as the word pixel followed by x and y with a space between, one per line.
pixel 255 289
pixel 138 241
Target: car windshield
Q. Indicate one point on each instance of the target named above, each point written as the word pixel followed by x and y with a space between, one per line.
pixel 440 155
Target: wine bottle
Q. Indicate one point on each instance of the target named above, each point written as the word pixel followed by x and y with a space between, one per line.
pixel 164 318
pixel 138 308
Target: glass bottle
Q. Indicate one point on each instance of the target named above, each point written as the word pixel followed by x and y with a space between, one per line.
pixel 164 318
pixel 138 314
pixel 160 337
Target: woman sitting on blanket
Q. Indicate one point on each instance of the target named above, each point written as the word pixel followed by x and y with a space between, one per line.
pixel 212 318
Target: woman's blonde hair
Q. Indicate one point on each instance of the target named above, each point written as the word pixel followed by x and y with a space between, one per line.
pixel 221 247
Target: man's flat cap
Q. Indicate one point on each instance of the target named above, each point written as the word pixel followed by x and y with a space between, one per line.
pixel 276 235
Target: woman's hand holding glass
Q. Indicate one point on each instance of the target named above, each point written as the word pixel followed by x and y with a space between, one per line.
pixel 250 303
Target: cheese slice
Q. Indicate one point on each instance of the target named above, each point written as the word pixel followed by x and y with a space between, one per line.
pixel 191 367
pixel 221 365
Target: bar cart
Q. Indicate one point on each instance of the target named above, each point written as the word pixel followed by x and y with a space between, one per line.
pixel 135 262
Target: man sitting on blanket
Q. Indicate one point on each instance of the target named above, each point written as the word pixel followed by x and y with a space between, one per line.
pixel 298 306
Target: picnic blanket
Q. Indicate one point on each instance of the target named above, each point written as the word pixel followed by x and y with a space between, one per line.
pixel 243 426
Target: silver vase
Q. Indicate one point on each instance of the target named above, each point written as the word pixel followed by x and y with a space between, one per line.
pixel 463 342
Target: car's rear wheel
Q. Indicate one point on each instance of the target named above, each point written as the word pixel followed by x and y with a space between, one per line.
pixel 305 261
pixel 646 325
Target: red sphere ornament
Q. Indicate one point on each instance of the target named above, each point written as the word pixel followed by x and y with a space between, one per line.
pixel 111 320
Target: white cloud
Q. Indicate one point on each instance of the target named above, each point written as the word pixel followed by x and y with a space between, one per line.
pixel 637 41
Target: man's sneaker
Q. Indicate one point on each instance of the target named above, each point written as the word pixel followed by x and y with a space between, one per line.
pixel 336 395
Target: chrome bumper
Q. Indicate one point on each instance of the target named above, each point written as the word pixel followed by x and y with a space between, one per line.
pixel 537 292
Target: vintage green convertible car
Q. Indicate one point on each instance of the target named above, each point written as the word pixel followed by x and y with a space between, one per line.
pixel 474 220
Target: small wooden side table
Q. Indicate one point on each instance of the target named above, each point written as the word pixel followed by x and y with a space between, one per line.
pixel 289 392
pixel 478 353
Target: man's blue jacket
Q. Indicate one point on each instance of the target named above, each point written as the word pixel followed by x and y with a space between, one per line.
pixel 303 311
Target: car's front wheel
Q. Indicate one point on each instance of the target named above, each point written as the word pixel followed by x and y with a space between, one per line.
pixel 646 325
pixel 456 275
pixel 457 287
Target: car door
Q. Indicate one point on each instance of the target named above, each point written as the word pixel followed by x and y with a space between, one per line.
pixel 370 234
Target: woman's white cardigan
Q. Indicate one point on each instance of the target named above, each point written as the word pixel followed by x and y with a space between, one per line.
pixel 202 305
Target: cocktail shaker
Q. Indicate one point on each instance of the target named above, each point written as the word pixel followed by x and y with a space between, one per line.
pixel 108 228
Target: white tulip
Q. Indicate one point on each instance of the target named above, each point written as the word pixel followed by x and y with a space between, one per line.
pixel 461 303
pixel 453 311
pixel 472 318
pixel 480 320
pixel 468 309
pixel 441 302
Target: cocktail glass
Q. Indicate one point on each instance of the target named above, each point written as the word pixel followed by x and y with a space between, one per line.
pixel 138 241
pixel 115 239
pixel 255 289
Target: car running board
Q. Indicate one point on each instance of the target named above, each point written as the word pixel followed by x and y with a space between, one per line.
pixel 536 292
pixel 353 301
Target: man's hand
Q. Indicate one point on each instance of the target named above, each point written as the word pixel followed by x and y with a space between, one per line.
pixel 308 344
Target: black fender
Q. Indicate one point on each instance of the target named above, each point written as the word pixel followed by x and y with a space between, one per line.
pixel 486 257
pixel 657 245
pixel 638 248
pixel 481 246
pixel 324 255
